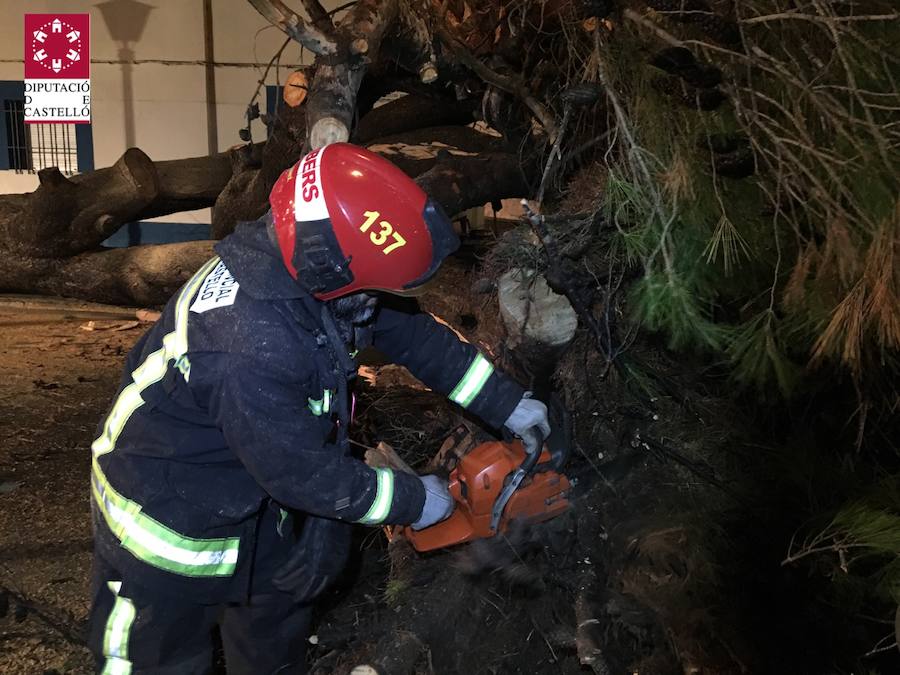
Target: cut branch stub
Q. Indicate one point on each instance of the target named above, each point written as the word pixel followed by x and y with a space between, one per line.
pixel 106 206
pixel 416 16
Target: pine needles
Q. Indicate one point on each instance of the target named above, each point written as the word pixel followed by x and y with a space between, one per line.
pixel 728 241
pixel 865 529
pixel 666 303
pixel 758 355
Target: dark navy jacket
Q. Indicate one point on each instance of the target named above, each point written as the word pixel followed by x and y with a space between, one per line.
pixel 225 408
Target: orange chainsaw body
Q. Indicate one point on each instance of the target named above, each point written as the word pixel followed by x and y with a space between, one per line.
pixel 475 484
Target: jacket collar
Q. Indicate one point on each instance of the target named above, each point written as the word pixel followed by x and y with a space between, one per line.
pixel 256 263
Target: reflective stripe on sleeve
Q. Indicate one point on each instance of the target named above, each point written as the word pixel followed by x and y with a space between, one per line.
pixel 146 538
pixel 115 637
pixel 384 497
pixel 472 382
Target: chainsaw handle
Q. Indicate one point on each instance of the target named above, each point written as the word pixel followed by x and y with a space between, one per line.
pixel 533 443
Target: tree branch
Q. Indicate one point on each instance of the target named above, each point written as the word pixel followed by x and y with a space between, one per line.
pixel 460 183
pixel 513 85
pixel 319 17
pixel 413 112
pixel 332 102
pixel 422 38
pixel 138 275
pixel 310 36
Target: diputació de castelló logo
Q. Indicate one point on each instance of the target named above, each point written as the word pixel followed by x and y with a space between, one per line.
pixel 57 68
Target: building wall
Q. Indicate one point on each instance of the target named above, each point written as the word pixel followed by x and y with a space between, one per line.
pixel 165 115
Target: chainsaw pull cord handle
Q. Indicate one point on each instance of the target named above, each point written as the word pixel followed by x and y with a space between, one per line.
pixel 532 441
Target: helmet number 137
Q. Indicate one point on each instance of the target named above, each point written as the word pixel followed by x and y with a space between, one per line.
pixel 380 237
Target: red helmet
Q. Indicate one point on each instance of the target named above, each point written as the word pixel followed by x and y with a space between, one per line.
pixel 347 220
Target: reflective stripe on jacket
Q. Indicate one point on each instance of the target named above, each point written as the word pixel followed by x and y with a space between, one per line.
pixel 226 402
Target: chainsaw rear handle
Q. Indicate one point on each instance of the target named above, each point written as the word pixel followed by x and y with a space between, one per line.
pixel 533 442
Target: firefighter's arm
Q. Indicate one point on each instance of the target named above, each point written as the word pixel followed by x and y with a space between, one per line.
pixel 264 413
pixel 434 354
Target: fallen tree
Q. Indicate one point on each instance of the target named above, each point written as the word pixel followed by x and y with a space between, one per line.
pixel 51 239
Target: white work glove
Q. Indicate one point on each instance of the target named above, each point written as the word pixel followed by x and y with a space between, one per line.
pixel 527 414
pixel 438 503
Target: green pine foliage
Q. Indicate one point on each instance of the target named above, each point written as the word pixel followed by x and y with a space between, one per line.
pixel 867 530
pixel 797 266
pixel 791 275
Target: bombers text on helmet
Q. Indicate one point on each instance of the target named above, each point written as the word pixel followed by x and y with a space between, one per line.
pixel 347 220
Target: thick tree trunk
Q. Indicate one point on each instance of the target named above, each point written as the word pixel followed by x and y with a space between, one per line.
pixel 67 216
pixel 139 275
pixel 50 238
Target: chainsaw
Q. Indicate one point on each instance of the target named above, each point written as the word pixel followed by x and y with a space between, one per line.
pixel 501 481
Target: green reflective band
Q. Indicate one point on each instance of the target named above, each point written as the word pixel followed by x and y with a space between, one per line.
pixel 115 637
pixel 153 369
pixel 157 545
pixel 282 519
pixel 323 405
pixel 384 497
pixel 472 382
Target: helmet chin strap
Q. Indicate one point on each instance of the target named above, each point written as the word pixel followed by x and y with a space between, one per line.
pixel 344 370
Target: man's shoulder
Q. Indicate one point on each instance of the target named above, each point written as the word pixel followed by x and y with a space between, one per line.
pixel 242 324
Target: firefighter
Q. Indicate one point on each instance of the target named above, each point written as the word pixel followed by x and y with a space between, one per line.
pixel 224 486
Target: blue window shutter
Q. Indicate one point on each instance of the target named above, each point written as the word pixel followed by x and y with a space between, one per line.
pixel 84 146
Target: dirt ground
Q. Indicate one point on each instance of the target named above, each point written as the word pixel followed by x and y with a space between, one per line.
pixel 57 380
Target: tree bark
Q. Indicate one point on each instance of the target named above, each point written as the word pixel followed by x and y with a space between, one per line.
pixel 138 275
pixel 459 183
pixel 413 112
pixel 66 216
pixel 254 172
pixel 417 151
